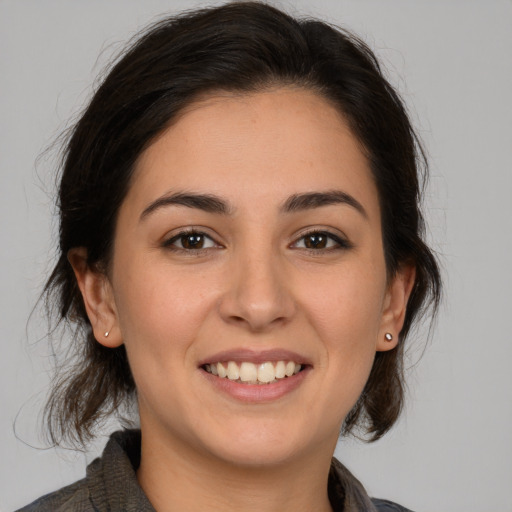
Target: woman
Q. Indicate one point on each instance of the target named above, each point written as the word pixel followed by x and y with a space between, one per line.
pixel 241 253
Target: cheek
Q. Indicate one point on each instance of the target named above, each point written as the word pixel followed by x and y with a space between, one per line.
pixel 160 315
pixel 346 313
pixel 346 304
pixel 159 312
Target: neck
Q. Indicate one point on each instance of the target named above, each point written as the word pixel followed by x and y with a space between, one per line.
pixel 175 478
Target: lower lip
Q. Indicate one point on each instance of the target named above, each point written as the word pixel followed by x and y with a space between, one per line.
pixel 257 393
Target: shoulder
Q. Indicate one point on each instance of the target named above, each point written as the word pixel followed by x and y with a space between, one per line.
pixel 347 493
pixel 388 506
pixel 110 482
pixel 72 497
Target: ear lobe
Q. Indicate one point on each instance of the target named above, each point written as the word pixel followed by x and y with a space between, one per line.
pixel 98 299
pixel 395 307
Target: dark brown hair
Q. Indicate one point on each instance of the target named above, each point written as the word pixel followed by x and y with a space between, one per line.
pixel 239 47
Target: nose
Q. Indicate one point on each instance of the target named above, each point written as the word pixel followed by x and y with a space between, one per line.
pixel 257 295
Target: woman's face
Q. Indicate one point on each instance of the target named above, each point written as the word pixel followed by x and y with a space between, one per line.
pixel 250 241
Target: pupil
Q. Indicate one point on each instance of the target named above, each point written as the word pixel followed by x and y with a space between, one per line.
pixel 316 241
pixel 192 241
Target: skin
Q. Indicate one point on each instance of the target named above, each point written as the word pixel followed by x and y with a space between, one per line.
pixel 256 285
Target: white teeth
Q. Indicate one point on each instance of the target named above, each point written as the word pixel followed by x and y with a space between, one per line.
pixel 250 373
pixel 290 368
pixel 266 372
pixel 233 371
pixel 220 370
pixel 280 370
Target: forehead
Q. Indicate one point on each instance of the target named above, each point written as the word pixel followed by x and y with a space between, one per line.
pixel 253 148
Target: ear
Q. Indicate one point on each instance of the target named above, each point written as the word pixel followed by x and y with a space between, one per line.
pixel 395 306
pixel 98 299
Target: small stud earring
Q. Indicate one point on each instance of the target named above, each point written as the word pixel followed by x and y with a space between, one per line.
pixel 106 334
pixel 388 336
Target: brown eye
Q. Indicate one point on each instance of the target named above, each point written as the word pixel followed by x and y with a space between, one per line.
pixel 190 241
pixel 316 241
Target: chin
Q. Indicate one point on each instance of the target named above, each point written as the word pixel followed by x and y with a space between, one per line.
pixel 257 455
pixel 260 445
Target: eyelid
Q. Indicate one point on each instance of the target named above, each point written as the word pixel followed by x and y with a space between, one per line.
pixel 169 240
pixel 342 241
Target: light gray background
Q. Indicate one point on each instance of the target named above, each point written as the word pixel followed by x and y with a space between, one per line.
pixel 452 62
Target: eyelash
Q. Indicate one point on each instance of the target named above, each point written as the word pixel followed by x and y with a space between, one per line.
pixel 169 244
pixel 340 243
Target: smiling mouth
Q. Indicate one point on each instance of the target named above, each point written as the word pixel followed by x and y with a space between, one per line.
pixel 251 373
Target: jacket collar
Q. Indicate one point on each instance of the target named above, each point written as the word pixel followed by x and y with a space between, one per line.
pixel 113 485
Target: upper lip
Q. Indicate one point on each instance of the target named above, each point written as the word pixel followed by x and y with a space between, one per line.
pixel 255 356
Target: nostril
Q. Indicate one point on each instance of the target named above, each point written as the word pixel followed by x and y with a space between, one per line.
pixel 256 300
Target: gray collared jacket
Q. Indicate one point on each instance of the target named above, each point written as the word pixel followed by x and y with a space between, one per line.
pixel 111 485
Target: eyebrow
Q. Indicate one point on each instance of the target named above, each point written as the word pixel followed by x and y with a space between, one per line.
pixel 213 204
pixel 206 202
pixel 309 200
